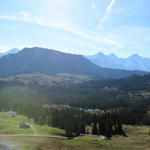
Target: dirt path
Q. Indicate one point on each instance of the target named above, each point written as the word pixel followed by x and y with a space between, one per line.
pixel 33 135
pixel 33 128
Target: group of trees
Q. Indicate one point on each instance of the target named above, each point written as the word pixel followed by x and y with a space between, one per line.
pixel 111 122
pixel 117 108
pixel 75 121
pixel 133 83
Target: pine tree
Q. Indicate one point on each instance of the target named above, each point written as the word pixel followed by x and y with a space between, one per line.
pixel 94 129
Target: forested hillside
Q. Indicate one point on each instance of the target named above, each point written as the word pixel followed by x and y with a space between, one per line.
pixel 135 83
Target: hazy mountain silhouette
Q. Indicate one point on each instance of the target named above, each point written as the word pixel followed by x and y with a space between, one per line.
pixel 33 60
pixel 134 62
pixel 11 51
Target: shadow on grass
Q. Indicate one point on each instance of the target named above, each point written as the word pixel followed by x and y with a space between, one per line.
pixel 4 147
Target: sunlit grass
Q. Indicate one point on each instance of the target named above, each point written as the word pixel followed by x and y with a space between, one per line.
pixel 137 137
pixel 139 140
pixel 47 130
pixel 8 127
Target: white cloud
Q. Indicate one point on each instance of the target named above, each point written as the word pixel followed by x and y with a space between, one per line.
pixel 52 17
pixel 63 25
pixel 110 5
pixel 14 18
pixel 25 14
pixel 106 15
pixel 93 5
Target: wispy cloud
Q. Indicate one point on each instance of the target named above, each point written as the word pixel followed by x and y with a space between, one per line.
pixel 93 5
pixel 62 22
pixel 106 15
pixel 14 18
pixel 83 43
pixel 64 25
pixel 110 5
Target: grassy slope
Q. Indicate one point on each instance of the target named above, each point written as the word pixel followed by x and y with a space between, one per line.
pixel 138 139
pixel 46 130
pixel 9 125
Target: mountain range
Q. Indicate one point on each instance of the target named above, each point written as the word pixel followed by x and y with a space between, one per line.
pixel 51 62
pixel 134 62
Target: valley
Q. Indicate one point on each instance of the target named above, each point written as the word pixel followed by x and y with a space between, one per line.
pixel 74 75
pixel 72 108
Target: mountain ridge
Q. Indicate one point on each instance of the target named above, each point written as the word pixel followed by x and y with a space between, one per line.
pixel 133 62
pixel 50 62
pixel 11 51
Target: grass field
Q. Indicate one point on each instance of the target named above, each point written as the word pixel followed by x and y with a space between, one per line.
pixel 137 138
pixel 10 125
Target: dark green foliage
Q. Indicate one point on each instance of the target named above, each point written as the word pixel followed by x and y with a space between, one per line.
pixel 94 129
pixel 135 83
pixel 116 107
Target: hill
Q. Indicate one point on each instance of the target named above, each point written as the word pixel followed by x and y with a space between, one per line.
pixel 9 125
pixel 40 79
pixel 104 95
pixel 135 83
pixel 134 62
pixel 50 62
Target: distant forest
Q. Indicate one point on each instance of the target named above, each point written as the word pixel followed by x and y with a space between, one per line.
pixel 118 106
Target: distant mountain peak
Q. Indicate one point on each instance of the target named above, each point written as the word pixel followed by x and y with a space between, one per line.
pixel 100 54
pixel 133 62
pixel 112 55
pixel 134 56
pixel 13 51
pixel 50 62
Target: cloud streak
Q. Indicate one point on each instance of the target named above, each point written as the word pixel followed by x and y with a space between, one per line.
pixel 65 25
pixel 106 15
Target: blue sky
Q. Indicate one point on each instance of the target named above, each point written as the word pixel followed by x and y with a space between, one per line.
pixel 77 26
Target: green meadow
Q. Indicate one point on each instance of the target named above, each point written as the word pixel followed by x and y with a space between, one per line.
pixel 49 138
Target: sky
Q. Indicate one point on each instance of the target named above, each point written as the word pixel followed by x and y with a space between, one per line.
pixel 77 26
